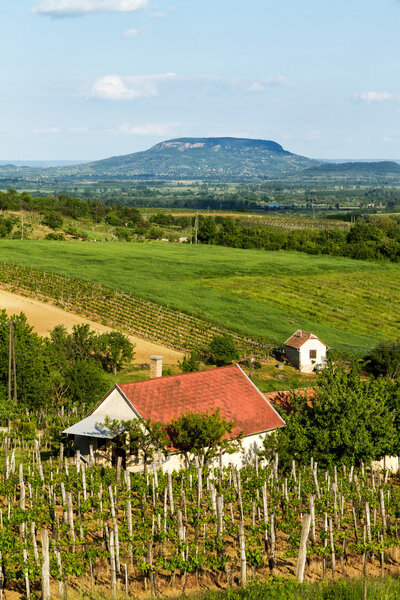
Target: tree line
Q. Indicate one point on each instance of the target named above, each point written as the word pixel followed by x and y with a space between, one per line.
pixel 66 369
pixel 368 238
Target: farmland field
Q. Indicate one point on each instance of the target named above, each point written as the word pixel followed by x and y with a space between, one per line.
pixel 349 304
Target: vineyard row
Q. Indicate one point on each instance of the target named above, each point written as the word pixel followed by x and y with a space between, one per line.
pixel 121 310
pixel 62 522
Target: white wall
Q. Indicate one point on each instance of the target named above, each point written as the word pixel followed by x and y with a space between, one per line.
pixel 251 445
pixel 307 364
pixel 392 463
pixel 116 407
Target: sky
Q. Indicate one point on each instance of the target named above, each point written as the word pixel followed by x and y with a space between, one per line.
pixel 89 79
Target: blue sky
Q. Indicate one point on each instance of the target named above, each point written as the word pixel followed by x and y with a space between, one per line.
pixel 87 79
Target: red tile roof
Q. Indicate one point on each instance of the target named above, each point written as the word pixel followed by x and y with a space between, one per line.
pixel 227 388
pixel 301 337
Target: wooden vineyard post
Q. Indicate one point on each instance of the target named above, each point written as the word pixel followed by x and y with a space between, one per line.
pixel 45 566
pixel 112 566
pixel 26 575
pixel 170 493
pixel 265 513
pixel 126 581
pixel 332 549
pixel 301 560
pixel 115 527
pixel 70 513
pixel 312 515
pixel 220 516
pixel 383 510
pixel 242 549
pixel 271 560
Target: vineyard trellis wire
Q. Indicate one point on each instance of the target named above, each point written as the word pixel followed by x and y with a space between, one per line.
pixel 148 531
pixel 121 310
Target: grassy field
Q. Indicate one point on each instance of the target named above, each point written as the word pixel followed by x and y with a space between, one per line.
pixel 280 589
pixel 349 304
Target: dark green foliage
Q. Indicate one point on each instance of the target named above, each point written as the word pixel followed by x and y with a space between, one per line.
pixel 223 350
pixel 144 438
pixel 384 360
pixel 190 362
pixel 86 382
pixel 33 365
pixel 53 219
pixel 6 226
pixel 207 232
pixel 350 419
pixel 58 237
pixel 202 435
pixel 114 349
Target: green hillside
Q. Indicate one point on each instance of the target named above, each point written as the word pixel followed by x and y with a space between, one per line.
pixel 354 170
pixel 349 304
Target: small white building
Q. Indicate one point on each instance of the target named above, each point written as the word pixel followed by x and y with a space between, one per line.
pixel 165 398
pixel 306 352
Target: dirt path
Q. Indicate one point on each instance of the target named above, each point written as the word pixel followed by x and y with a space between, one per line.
pixel 44 317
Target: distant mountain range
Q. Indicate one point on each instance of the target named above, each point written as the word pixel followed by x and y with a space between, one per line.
pixel 203 159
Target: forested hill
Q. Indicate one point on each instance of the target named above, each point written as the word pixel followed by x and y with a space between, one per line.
pixel 347 170
pixel 191 158
pixel 202 158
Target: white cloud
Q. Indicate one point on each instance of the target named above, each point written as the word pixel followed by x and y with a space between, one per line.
pixel 149 129
pixel 260 85
pixel 371 97
pixel 68 8
pixel 131 33
pixel 52 130
pixel 115 87
pixel 118 87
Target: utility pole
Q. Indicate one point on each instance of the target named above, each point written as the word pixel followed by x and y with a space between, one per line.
pixel 196 226
pixel 9 360
pixel 12 365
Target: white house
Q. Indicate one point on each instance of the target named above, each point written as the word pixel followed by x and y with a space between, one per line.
pixel 306 352
pixel 164 398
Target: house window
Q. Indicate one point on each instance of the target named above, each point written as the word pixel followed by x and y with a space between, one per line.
pixel 313 354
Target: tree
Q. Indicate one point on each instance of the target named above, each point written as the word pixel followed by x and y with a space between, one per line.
pixel 207 231
pixel 385 359
pixel 32 361
pixel 190 362
pixel 223 350
pixel 203 435
pixel 141 437
pixel 115 349
pixel 86 382
pixel 350 420
pixel 53 220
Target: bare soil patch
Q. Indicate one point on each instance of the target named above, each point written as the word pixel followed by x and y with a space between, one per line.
pixel 44 317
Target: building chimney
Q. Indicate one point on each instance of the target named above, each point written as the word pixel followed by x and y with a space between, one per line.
pixel 155 366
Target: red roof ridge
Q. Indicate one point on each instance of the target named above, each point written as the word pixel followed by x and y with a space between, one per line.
pixel 177 375
pixel 300 337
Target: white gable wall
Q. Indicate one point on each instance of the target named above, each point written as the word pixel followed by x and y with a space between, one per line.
pixel 115 406
pixel 307 364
